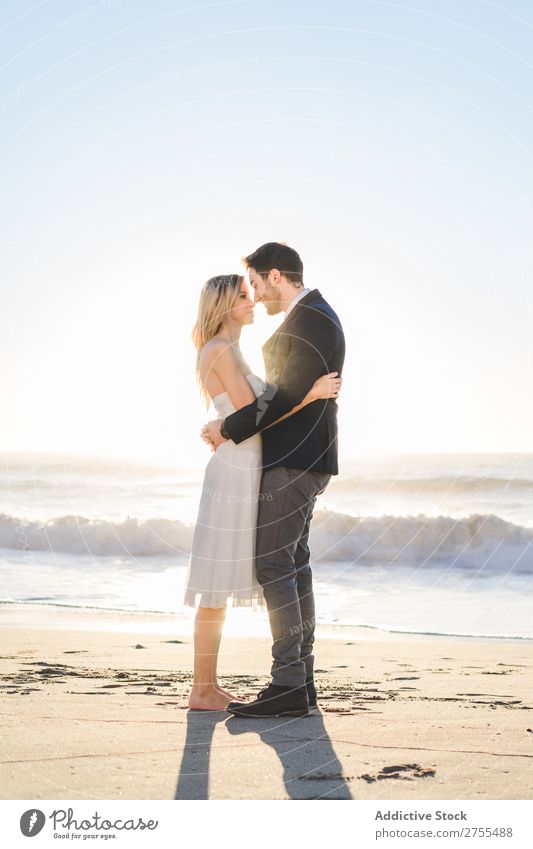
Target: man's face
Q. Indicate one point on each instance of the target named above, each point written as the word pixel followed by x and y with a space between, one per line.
pixel 264 292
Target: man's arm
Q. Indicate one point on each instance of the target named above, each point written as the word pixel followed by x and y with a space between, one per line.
pixel 314 336
pixel 326 386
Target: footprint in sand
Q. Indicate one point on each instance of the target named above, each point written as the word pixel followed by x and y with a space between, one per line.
pixel 404 772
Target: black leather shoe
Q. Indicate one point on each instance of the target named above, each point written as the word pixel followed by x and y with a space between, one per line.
pixel 274 701
pixel 311 693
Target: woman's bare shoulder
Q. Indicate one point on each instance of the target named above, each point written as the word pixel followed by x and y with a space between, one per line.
pixel 215 343
pixel 214 355
pixel 213 349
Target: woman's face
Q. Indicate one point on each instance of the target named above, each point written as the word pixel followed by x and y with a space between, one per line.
pixel 243 311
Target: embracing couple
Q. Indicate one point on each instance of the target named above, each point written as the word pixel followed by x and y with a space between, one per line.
pixel 275 450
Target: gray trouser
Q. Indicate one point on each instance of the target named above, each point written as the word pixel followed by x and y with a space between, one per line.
pixel 282 566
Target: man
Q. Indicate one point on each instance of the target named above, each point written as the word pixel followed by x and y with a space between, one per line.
pixel 299 458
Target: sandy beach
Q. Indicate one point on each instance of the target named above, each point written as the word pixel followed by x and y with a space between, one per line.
pixel 99 713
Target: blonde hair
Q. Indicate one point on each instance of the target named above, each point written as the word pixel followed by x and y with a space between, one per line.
pixel 217 298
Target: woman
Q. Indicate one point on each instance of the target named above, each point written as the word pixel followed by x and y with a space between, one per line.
pixel 222 557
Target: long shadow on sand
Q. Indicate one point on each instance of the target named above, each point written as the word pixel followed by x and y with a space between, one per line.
pixel 193 779
pixel 311 769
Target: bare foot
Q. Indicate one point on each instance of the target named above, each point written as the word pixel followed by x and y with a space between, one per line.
pixel 207 698
pixel 231 696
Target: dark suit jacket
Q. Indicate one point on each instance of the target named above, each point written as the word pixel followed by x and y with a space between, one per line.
pixel 308 344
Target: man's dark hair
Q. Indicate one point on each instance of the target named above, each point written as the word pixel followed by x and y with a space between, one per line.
pixel 276 255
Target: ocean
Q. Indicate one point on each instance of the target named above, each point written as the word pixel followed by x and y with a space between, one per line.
pixel 422 544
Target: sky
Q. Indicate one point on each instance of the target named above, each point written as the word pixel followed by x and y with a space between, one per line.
pixel 147 146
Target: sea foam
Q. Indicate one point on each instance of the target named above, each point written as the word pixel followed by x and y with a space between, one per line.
pixel 476 542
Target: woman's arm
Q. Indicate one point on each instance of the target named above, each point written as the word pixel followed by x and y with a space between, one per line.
pixel 327 386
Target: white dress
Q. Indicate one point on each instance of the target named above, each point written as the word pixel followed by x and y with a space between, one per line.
pixel 221 564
